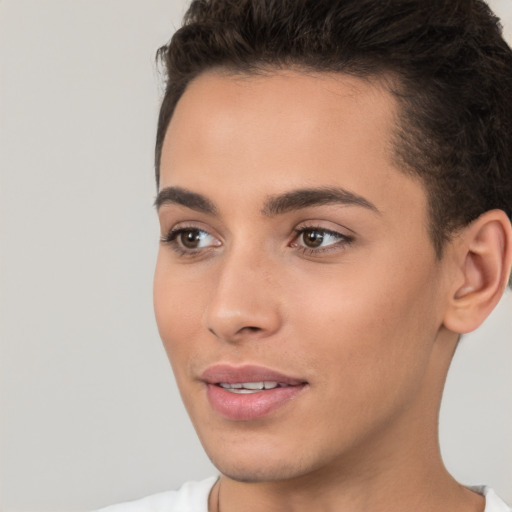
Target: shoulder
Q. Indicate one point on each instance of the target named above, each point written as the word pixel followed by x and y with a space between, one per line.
pixel 190 497
pixel 493 503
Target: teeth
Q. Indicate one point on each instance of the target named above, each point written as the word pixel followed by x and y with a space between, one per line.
pixel 248 387
pixel 253 385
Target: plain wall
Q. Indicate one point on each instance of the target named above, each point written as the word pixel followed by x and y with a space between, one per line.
pixel 89 411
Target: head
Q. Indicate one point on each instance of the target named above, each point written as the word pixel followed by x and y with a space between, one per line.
pixel 335 190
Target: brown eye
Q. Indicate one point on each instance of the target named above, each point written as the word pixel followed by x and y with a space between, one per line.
pixel 190 238
pixel 317 240
pixel 313 238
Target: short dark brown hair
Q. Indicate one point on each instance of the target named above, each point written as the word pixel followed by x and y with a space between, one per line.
pixel 449 68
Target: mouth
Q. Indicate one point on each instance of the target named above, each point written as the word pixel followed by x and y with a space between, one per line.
pixel 249 392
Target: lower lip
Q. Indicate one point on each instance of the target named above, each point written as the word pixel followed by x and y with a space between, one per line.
pixel 250 406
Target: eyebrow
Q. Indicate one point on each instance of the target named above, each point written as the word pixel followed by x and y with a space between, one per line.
pixel 184 197
pixel 274 205
pixel 305 198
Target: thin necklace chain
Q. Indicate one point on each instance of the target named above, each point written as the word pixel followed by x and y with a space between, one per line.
pixel 217 498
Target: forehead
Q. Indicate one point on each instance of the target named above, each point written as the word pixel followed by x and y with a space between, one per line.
pixel 281 111
pixel 285 130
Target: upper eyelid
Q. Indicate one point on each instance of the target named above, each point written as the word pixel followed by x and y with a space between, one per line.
pixel 342 237
pixel 320 225
pixel 319 228
pixel 189 224
pixel 176 229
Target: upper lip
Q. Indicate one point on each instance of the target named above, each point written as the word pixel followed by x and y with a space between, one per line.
pixel 248 373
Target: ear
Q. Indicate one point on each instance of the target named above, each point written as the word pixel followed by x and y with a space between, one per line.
pixel 483 257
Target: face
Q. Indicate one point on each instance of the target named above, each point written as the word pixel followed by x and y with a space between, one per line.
pixel 295 257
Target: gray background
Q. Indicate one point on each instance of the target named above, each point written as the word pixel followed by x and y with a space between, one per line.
pixel 89 411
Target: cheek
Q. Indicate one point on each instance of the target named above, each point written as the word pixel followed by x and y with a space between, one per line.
pixel 372 335
pixel 179 306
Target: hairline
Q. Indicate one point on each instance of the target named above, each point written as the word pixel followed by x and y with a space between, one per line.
pixel 389 80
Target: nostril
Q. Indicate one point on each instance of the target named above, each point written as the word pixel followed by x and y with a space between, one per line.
pixel 247 330
pixel 234 320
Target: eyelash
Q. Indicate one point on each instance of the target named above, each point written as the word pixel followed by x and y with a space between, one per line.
pixel 343 240
pixel 172 239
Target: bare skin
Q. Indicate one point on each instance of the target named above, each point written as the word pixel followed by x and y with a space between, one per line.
pixel 344 294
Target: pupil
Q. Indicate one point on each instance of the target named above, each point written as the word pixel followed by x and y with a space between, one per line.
pixel 190 239
pixel 313 238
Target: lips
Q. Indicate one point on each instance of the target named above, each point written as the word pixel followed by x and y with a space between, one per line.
pixel 249 392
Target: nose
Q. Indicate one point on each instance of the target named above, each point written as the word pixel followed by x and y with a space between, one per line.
pixel 245 302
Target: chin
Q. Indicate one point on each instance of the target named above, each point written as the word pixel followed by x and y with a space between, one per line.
pixel 258 473
pixel 260 467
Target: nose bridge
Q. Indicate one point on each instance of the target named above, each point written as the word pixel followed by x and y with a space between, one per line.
pixel 244 302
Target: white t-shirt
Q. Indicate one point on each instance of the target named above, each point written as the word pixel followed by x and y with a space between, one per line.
pixel 193 497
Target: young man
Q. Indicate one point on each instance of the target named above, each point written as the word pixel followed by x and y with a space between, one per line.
pixel 334 195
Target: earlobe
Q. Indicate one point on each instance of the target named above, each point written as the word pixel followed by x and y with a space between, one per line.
pixel 484 258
